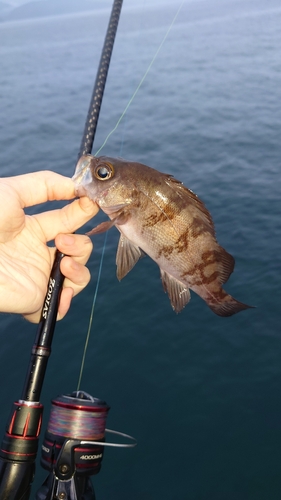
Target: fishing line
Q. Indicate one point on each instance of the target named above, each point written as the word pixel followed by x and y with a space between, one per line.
pixel 92 314
pixel 78 419
pixel 121 147
pixel 142 79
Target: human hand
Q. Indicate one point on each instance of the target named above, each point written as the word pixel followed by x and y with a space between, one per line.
pixel 25 258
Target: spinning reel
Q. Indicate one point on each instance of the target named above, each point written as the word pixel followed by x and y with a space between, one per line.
pixel 73 447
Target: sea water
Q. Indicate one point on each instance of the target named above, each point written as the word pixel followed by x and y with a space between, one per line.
pixel 200 393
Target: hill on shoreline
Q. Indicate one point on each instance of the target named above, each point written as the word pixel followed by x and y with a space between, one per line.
pixel 46 8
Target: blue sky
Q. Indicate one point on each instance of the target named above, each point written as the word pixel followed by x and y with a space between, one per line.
pixel 16 3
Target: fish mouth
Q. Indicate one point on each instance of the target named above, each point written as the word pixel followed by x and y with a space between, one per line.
pixel 80 191
pixel 83 163
pixel 83 169
pixel 82 176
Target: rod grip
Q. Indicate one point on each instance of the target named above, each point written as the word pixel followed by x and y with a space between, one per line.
pixel 16 480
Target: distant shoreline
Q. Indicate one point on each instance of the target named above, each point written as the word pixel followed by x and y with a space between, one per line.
pixel 48 8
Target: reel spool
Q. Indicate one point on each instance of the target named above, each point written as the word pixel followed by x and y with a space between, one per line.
pixel 81 417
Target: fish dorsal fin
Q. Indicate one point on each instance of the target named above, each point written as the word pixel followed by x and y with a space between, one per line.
pixel 193 199
pixel 179 293
pixel 127 256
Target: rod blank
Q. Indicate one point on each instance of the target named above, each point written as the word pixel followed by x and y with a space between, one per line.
pixel 95 104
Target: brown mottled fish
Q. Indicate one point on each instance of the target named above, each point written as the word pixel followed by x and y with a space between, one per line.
pixel 158 216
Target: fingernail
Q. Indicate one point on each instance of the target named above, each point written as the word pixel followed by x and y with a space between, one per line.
pixel 68 239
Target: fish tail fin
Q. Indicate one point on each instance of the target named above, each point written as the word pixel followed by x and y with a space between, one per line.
pixel 227 306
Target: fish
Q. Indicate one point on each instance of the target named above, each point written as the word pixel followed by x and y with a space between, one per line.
pixel 158 216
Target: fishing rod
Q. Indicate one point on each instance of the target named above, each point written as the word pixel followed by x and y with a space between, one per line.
pixel 62 454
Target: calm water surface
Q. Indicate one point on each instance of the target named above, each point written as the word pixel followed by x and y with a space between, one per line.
pixel 200 393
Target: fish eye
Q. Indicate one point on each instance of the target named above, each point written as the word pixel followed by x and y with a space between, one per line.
pixel 104 171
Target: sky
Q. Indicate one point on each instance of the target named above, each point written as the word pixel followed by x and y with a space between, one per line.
pixel 17 3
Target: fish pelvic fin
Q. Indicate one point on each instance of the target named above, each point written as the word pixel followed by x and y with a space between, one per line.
pixel 178 293
pixel 127 256
pixel 227 306
pixel 120 218
pixel 101 228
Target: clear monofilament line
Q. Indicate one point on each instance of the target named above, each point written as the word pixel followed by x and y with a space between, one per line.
pixel 92 314
pixel 143 78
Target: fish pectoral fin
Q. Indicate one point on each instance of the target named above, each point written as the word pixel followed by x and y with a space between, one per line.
pixel 127 256
pixel 121 218
pixel 179 293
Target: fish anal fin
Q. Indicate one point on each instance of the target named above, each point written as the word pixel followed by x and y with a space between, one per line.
pixel 120 218
pixel 178 293
pixel 127 256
